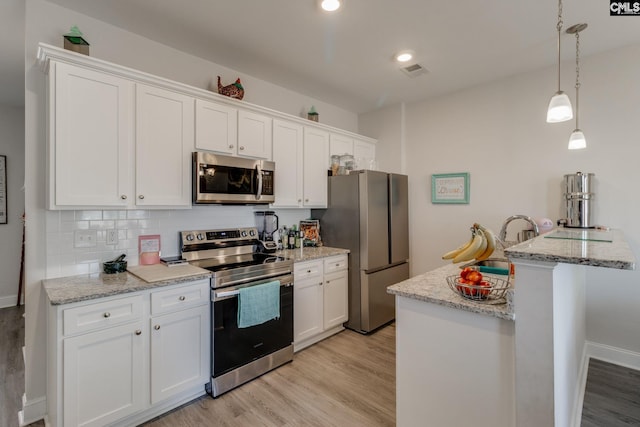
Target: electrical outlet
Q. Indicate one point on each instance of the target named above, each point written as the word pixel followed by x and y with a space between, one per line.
pixel 85 238
pixel 112 237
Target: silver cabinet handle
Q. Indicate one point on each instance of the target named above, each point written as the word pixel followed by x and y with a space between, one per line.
pixel 123 197
pixel 299 200
pixel 306 200
pixel 138 332
pixel 182 298
pixel 308 271
pixel 157 327
pixel 230 145
pixel 320 283
pixel 141 196
pixel 241 147
pixel 107 314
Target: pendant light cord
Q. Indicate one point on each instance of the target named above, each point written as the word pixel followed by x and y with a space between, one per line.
pixel 559 28
pixel 577 76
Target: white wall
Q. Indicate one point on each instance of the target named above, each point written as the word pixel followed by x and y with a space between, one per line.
pixel 12 146
pixel 498 133
pixel 49 251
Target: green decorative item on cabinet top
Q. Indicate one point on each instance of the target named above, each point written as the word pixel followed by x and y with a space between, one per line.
pixel 313 114
pixel 74 41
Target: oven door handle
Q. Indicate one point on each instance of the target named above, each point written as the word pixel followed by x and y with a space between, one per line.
pixel 227 294
pixel 284 280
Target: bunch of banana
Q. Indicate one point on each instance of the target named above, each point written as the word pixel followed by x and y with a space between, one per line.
pixel 480 246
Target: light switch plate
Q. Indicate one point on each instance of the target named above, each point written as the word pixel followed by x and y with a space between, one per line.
pixel 85 238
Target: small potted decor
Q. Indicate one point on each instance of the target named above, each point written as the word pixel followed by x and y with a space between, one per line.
pixel 73 41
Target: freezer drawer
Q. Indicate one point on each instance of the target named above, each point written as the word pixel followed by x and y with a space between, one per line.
pixel 377 307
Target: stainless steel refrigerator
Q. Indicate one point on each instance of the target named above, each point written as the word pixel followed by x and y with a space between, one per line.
pixel 368 214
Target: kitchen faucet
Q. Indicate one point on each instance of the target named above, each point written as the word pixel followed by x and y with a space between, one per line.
pixel 503 232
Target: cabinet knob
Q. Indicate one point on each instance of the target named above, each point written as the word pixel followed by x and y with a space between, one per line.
pixel 182 298
pixel 338 265
pixel 107 314
pixel 308 271
pixel 241 147
pixel 157 327
pixel 299 200
pixel 123 197
pixel 141 196
pixel 306 200
pixel 230 145
pixel 138 332
pixel 320 283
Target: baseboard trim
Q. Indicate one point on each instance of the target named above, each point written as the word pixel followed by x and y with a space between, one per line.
pixel 615 355
pixel 32 410
pixel 9 301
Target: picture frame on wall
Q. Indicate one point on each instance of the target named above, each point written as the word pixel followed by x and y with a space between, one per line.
pixel 450 188
pixel 3 189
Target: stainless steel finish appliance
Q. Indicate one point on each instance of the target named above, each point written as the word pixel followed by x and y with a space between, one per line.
pixel 368 214
pixel 578 196
pixel 241 354
pixel 267 224
pixel 232 180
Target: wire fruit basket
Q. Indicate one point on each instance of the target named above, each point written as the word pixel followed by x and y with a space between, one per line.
pixel 493 291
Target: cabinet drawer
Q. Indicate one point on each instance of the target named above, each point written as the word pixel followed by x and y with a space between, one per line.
pixel 336 263
pixel 305 270
pixel 101 315
pixel 172 299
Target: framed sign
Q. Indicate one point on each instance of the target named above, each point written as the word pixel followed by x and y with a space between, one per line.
pixel 3 189
pixel 450 188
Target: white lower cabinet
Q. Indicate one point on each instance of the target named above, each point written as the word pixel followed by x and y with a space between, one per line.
pixel 124 360
pixel 320 299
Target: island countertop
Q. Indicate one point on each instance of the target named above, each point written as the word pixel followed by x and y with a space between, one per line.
pixel 432 287
pixel 577 246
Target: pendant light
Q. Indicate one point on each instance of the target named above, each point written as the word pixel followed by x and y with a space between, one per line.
pixel 577 139
pixel 560 106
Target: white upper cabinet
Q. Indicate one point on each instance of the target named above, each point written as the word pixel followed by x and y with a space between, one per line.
pixel 254 135
pixel 91 136
pixel 315 155
pixel 364 153
pixel 164 137
pixel 340 144
pixel 216 127
pixel 287 154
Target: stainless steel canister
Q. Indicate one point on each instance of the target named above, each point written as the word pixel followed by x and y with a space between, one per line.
pixel 578 195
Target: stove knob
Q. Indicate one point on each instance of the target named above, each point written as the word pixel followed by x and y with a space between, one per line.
pixel 189 237
pixel 243 233
pixel 252 233
pixel 200 236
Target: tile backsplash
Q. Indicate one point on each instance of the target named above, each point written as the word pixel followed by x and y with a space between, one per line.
pixel 67 257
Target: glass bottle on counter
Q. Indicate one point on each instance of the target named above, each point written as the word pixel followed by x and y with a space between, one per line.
pixel 291 238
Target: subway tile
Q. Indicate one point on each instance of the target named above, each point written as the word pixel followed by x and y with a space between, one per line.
pixel 114 215
pixel 88 215
pixel 138 214
pixel 101 225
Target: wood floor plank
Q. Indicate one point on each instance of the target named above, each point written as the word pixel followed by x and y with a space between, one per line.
pixel 11 364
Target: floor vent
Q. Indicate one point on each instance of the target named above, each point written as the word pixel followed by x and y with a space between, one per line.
pixel 414 70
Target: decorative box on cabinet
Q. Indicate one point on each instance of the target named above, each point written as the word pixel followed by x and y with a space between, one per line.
pixel 320 299
pixel 125 360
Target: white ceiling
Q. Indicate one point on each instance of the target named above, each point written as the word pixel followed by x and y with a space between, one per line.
pixel 346 58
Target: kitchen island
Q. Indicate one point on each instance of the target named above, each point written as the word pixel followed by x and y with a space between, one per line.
pixel 462 366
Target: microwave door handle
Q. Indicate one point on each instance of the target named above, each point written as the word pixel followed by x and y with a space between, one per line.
pixel 259 173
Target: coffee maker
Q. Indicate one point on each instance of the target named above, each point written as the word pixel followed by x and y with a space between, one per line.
pixel 267 225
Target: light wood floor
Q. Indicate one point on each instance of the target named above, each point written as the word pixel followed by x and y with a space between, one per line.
pixel 345 380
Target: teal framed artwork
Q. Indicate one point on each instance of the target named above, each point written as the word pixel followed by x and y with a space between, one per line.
pixel 450 188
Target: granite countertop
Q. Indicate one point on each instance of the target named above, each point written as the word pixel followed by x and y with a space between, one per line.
pixel 576 246
pixel 66 290
pixel 432 287
pixel 310 253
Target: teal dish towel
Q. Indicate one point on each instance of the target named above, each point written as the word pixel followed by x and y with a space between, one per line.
pixel 258 304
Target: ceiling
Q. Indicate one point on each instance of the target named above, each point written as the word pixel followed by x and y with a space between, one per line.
pixel 345 58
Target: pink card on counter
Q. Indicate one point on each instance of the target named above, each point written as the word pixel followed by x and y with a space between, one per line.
pixel 149 249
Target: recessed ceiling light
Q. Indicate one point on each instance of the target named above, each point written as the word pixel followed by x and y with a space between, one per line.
pixel 330 5
pixel 404 56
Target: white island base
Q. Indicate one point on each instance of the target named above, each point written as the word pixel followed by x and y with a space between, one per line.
pixel 453 367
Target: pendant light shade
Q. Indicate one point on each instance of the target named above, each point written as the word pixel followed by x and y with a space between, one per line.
pixel 577 140
pixel 560 106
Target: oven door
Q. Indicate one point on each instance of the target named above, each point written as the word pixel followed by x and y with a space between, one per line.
pixel 232 180
pixel 233 347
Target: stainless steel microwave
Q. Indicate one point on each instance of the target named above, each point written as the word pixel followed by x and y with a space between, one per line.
pixel 221 179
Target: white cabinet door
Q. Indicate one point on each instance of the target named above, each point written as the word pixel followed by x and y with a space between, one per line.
pixel 216 127
pixel 104 375
pixel 287 154
pixel 254 135
pixel 164 139
pixel 90 145
pixel 308 303
pixel 179 352
pixel 340 144
pixel 335 299
pixel 316 155
pixel 363 153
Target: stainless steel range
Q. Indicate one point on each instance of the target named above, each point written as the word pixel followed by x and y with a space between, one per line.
pixel 241 354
